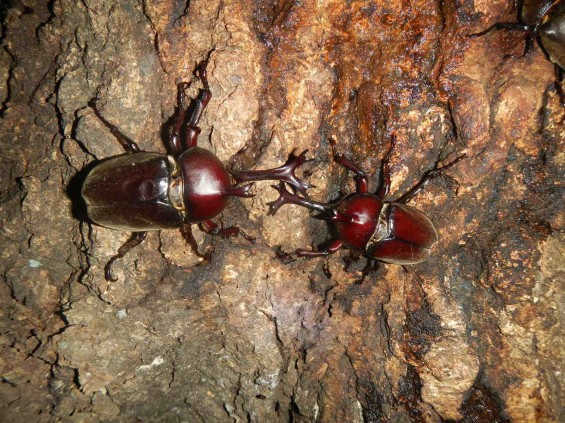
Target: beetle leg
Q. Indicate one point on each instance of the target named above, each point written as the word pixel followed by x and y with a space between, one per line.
pixel 371 266
pixel 135 239
pixel 384 176
pixel 174 140
pixel 200 103
pixel 127 143
pixel 212 228
pixel 286 258
pixel 428 176
pixel 290 257
pixel 351 258
pixel 559 83
pixel 332 248
pixel 531 35
pixel 513 26
pixel 186 232
pixel 360 176
pixel 282 173
pixel 531 32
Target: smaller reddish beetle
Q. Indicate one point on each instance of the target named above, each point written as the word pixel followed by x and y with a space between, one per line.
pixel 387 231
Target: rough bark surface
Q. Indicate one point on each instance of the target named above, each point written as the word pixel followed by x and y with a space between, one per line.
pixel 475 334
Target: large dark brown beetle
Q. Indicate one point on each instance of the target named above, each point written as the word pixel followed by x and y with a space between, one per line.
pixel 387 231
pixel 141 191
pixel 543 20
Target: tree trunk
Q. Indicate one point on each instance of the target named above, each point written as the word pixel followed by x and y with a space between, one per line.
pixel 473 334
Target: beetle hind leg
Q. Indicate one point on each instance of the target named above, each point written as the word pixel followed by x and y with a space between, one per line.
pixel 135 239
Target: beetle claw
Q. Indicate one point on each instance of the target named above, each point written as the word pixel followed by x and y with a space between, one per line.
pixel 275 205
pixel 285 257
pixel 249 238
pixel 108 271
pixel 294 162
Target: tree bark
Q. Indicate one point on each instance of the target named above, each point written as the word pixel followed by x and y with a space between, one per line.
pixel 474 334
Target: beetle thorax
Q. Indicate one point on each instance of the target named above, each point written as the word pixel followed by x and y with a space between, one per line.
pixel 204 186
pixel 364 212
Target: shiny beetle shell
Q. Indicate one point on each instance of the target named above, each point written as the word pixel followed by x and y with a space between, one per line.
pixel 131 193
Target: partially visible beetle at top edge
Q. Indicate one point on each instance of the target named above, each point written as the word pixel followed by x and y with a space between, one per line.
pixel 141 191
pixel 543 20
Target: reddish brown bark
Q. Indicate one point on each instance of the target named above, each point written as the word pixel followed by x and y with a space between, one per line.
pixel 473 334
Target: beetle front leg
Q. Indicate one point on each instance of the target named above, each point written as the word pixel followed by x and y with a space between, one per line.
pixel 135 239
pixel 175 145
pixel 332 248
pixel 384 177
pixel 212 228
pixel 189 114
pixel 428 176
pixel 360 176
pixel 282 173
pixel 192 129
pixel 530 30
